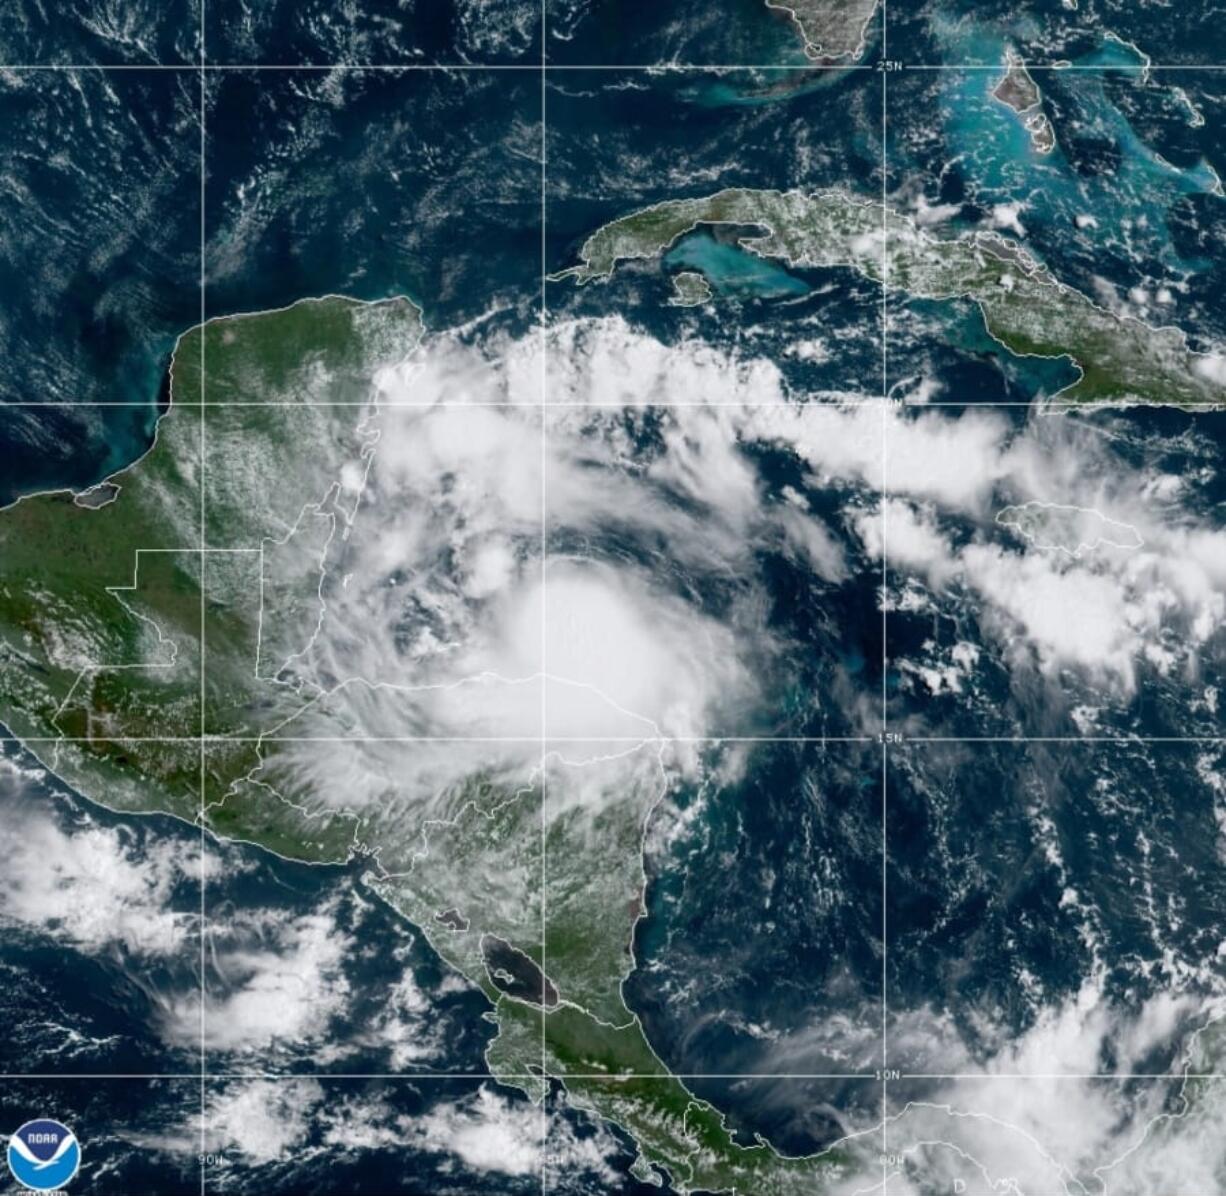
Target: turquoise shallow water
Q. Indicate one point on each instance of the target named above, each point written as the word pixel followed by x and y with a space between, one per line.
pixel 733 271
pixel 1100 169
pixel 768 911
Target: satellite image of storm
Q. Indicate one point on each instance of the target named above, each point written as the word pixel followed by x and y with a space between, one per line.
pixel 613 597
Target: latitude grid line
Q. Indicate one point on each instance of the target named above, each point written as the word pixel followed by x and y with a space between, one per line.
pixel 413 1077
pixel 900 739
pixel 654 68
pixel 203 68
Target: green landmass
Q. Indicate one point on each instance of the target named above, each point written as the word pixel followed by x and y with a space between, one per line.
pixel 108 607
pixel 1120 360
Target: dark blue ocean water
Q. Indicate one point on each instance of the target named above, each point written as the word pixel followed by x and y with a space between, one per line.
pixel 988 840
pixel 143 1136
pixel 135 33
pixel 429 184
pixel 92 1014
pixel 375 184
pixel 355 183
pixel 106 174
pixel 739 977
pixel 610 32
pixel 379 32
pixel 365 183
pixel 99 258
pixel 170 32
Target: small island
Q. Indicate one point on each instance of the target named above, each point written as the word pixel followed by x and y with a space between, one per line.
pixel 1018 91
pixel 690 289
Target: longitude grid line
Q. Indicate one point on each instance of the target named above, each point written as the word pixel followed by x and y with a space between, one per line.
pixel 203 583
pixel 201 69
pixel 885 382
pixel 544 446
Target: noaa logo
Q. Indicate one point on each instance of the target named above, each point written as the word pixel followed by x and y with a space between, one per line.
pixel 44 1155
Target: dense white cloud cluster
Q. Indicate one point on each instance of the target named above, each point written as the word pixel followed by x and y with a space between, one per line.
pixel 1104 612
pixel 277 980
pixel 444 617
pixel 464 1131
pixel 95 888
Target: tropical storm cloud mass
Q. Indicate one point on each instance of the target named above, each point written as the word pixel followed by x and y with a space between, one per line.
pixel 601 603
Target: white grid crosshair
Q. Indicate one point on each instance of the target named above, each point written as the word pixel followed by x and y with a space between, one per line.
pixel 882 1076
